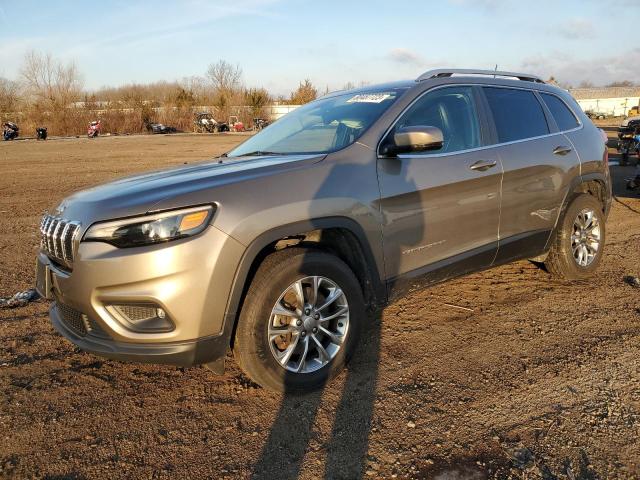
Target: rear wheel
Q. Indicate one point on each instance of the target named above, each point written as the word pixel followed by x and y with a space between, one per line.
pixel 300 320
pixel 579 243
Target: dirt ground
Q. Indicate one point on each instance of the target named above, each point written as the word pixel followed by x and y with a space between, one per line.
pixel 538 379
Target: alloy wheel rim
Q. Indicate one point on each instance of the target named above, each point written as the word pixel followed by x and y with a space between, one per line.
pixel 585 237
pixel 308 324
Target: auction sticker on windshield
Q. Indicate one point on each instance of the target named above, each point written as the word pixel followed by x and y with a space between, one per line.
pixel 370 97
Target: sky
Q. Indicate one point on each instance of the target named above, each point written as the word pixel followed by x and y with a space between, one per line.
pixel 278 43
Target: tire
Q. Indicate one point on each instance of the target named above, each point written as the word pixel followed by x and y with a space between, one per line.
pixel 561 261
pixel 277 274
pixel 624 158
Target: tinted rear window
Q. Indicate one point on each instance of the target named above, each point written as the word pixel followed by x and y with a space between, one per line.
pixel 561 113
pixel 517 114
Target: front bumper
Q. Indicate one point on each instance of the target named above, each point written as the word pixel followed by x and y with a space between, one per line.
pixel 189 279
pixel 184 354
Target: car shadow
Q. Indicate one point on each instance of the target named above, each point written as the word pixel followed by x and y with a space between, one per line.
pixel 293 429
pixel 292 434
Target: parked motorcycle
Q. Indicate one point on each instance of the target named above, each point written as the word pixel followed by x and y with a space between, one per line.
pixel 260 123
pixel 94 129
pixel 629 139
pixel 41 133
pixel 10 131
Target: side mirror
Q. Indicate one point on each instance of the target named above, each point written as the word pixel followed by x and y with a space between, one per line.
pixel 416 138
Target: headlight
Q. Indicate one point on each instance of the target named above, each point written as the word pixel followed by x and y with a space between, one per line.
pixel 150 229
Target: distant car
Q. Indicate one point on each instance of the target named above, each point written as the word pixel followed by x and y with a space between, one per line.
pixel 160 128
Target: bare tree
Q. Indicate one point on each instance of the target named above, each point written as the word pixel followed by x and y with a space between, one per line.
pixel 305 93
pixel 226 80
pixel 585 84
pixel 50 82
pixel 198 86
pixel 225 77
pixel 9 95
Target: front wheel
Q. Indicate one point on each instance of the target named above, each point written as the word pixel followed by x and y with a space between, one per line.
pixel 300 320
pixel 577 248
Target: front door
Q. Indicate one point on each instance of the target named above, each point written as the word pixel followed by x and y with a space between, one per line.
pixel 441 208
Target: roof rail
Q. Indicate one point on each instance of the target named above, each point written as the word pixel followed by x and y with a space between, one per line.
pixel 449 72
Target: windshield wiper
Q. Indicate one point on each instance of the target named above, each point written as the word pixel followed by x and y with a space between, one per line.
pixel 258 153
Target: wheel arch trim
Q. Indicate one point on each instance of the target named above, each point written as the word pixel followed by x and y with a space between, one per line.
pixel 572 191
pixel 265 239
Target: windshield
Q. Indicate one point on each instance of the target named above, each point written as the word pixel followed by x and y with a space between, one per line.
pixel 323 126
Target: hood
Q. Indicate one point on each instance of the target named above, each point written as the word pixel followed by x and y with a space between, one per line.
pixel 138 194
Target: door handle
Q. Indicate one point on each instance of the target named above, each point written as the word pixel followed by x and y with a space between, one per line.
pixel 482 165
pixel 561 150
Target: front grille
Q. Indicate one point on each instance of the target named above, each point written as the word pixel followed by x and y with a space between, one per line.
pixel 79 323
pixel 57 239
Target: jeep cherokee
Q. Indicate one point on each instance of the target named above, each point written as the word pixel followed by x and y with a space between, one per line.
pixel 277 249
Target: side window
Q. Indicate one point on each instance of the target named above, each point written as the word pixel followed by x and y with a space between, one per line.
pixel 453 111
pixel 565 119
pixel 517 114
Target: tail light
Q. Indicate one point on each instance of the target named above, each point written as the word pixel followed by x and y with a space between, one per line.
pixel 605 139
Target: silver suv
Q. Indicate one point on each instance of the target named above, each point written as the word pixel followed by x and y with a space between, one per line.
pixel 277 249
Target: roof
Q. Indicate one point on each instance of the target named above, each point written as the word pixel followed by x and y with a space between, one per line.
pixel 604 92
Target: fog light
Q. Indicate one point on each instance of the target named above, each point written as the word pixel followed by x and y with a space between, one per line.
pixel 141 317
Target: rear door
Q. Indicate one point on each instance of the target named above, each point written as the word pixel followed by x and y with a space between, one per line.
pixel 440 208
pixel 539 163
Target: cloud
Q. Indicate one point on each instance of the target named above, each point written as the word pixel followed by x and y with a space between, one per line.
pixel 598 70
pixel 406 57
pixel 575 29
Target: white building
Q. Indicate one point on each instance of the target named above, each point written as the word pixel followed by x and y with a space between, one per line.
pixel 276 111
pixel 615 101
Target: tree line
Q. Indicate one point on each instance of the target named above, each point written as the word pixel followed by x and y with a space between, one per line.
pixel 50 93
